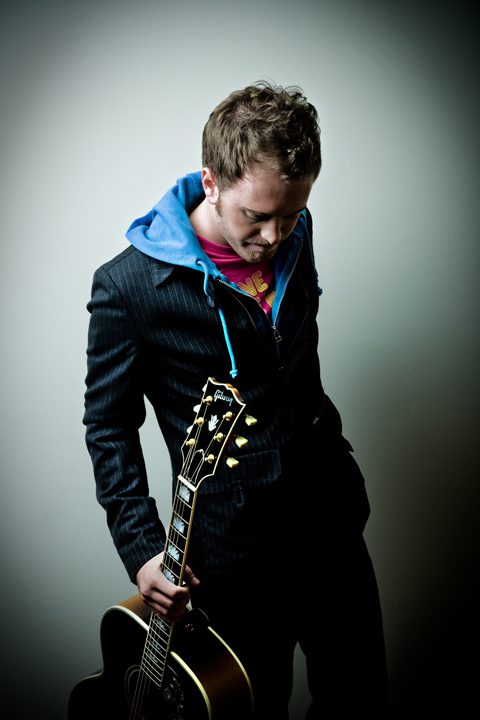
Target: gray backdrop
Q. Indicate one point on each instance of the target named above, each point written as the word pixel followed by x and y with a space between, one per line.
pixel 102 108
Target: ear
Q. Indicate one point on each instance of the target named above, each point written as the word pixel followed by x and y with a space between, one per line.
pixel 210 186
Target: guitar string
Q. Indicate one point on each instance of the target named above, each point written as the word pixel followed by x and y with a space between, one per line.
pixel 144 681
pixel 141 691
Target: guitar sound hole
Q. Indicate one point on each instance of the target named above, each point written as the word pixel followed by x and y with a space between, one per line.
pixel 170 699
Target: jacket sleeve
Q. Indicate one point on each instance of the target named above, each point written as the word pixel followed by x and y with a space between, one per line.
pixel 114 412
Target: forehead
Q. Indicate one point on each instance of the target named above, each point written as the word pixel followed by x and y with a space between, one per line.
pixel 266 192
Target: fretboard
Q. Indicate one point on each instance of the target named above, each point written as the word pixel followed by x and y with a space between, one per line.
pixel 159 633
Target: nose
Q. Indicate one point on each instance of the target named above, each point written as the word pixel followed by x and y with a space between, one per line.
pixel 271 231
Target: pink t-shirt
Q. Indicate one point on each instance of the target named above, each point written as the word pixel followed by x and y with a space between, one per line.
pixel 257 279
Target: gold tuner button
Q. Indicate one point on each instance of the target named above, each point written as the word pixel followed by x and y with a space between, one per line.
pixel 190 443
pixel 228 415
pixel 241 441
pixel 199 421
pixel 219 437
pixel 232 462
pixel 210 458
pixel 197 407
pixel 250 420
pixel 208 399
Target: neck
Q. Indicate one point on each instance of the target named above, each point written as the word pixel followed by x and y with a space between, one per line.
pixel 203 221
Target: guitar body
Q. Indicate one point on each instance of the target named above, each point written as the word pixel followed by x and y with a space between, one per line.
pixel 203 679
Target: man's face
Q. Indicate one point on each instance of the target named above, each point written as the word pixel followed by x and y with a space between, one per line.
pixel 256 214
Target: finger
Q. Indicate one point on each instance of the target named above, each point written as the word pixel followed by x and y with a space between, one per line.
pixel 171 601
pixel 171 615
pixel 165 608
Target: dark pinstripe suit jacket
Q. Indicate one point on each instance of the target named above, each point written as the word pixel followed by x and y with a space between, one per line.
pixel 152 334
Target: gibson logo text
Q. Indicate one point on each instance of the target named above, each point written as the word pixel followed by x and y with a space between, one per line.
pixel 220 396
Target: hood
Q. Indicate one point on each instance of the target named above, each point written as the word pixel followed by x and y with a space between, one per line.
pixel 166 234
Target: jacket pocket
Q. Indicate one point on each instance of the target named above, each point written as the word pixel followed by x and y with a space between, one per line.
pixel 239 515
pixel 253 470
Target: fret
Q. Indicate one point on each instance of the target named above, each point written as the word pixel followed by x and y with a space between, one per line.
pixel 155 661
pixel 156 646
pixel 170 576
pixel 158 624
pixel 182 509
pixel 158 642
pixel 152 673
pixel 178 540
pixel 179 524
pixel 158 633
pixel 172 555
pixel 155 666
pixel 174 551
pixel 184 494
pixel 174 567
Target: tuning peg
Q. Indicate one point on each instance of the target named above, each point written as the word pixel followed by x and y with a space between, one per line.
pixel 208 399
pixel 190 443
pixel 197 407
pixel 210 458
pixel 241 441
pixel 250 420
pixel 232 462
pixel 219 437
pixel 199 421
pixel 228 415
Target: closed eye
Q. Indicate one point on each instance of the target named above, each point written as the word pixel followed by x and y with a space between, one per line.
pixel 263 217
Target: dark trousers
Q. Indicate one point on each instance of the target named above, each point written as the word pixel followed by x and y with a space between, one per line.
pixel 331 608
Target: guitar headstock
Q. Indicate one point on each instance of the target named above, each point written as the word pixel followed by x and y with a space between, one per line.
pixel 216 416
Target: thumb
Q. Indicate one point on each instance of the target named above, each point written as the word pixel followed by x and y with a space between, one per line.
pixel 190 577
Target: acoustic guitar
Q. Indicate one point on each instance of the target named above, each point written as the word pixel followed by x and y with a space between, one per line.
pixel 152 669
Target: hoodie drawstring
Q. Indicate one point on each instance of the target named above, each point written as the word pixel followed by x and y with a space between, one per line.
pixel 233 371
pixel 209 292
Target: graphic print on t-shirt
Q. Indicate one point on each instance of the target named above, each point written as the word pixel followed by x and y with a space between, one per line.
pixel 256 279
pixel 256 286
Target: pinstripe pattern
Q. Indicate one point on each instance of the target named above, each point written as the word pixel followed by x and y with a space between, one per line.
pixel 152 334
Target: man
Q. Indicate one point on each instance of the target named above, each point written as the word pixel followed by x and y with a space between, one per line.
pixel 219 280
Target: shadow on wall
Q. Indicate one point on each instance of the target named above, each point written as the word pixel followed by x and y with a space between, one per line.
pixel 427 520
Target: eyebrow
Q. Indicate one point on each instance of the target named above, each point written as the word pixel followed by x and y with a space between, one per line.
pixel 269 215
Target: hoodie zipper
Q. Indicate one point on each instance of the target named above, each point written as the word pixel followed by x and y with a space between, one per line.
pixel 275 332
pixel 234 293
